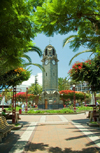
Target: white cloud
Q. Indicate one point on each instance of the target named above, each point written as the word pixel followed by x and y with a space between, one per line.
pixel 39 78
pixel 32 80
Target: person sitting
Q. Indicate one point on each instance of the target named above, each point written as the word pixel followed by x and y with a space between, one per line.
pixel 4 114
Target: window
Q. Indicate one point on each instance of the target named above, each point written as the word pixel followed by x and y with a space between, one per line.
pixel 46 52
pixel 53 51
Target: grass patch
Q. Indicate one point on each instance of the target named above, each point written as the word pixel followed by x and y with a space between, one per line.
pixel 84 108
pixel 93 122
pixel 62 111
pixel 17 124
pixel 10 109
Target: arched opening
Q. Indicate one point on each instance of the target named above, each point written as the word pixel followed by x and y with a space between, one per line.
pixel 46 52
pixel 53 51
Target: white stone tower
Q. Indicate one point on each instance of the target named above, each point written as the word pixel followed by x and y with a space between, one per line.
pixel 50 94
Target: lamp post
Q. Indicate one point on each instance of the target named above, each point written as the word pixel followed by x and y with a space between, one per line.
pixel 62 99
pixel 14 106
pixel 74 97
pixel 26 108
pixel 85 97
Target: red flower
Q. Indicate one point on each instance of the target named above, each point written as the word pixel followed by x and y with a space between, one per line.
pixel 79 67
pixel 88 61
pixel 66 91
pixel 23 94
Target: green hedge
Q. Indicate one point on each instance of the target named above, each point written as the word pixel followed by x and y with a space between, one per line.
pixel 62 111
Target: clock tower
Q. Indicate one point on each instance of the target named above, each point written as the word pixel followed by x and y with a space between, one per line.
pixel 50 94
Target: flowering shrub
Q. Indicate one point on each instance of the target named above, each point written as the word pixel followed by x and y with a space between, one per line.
pixel 66 94
pixel 69 94
pixel 87 71
pixel 22 96
pixel 79 95
pixel 19 70
pixel 80 71
pixel 17 76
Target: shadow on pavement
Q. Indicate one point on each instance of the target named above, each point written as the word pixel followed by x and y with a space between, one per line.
pixel 81 121
pixel 45 147
pixel 84 136
pixel 8 142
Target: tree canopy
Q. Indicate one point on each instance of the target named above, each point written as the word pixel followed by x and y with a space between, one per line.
pixel 87 71
pixel 14 77
pixel 16 31
pixel 16 39
pixel 63 16
pixel 35 88
pixel 63 84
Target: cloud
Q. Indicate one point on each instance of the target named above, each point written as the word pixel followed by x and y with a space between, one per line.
pixel 32 80
pixel 39 78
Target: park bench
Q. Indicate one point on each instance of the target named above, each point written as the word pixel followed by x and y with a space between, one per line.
pixel 10 116
pixel 5 128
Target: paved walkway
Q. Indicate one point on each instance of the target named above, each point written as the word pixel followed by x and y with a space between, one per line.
pixel 53 134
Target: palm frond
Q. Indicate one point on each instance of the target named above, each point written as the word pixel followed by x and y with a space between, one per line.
pixel 36 49
pixel 93 53
pixel 66 40
pixel 89 50
pixel 27 57
pixel 38 65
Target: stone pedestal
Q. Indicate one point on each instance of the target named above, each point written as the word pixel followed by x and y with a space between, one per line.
pixel 50 100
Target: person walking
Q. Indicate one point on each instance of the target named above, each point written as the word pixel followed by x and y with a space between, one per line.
pixel 23 107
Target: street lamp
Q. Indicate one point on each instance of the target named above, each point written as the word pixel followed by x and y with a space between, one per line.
pixel 62 99
pixel 85 97
pixel 26 107
pixel 74 97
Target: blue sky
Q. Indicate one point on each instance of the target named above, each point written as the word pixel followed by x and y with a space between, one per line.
pixel 64 54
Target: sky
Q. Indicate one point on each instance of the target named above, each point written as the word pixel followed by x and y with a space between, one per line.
pixel 64 54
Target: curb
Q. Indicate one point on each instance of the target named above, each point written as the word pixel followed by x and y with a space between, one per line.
pixel 18 127
pixel 92 125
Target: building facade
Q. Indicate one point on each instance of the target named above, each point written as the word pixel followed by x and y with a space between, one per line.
pixel 50 95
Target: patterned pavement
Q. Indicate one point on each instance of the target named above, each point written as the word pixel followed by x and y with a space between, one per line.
pixel 53 134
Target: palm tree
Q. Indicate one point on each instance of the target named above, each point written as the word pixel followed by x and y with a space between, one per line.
pixel 6 65
pixel 63 84
pixel 33 49
pixel 68 40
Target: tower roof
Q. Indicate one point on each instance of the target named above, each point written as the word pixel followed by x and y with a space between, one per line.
pixel 49 46
pixel 49 50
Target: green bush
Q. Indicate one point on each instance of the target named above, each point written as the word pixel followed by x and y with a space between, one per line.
pixel 84 108
pixel 62 111
pixel 10 108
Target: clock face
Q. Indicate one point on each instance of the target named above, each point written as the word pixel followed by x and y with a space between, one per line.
pixel 53 62
pixel 46 62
